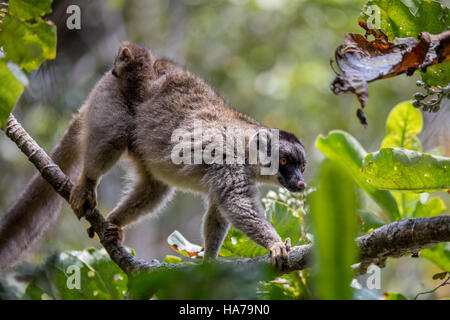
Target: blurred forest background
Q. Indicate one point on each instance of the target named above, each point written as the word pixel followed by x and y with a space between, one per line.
pixel 269 58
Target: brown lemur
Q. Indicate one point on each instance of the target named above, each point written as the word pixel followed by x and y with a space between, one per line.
pixel 178 100
pixel 106 114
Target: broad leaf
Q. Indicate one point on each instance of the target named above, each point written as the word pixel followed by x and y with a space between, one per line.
pixel 10 90
pixel 99 277
pixel 403 125
pixel 408 18
pixel 28 44
pixel 434 207
pixel 204 281
pixel 401 169
pixel 439 254
pixel 333 211
pixel 340 146
pixel 29 9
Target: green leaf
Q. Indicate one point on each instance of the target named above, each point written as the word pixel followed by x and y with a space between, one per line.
pixel 407 202
pixel 437 75
pixel 434 207
pixel 33 292
pixel 394 296
pixel 403 125
pixel 400 169
pixel 204 281
pixel 100 278
pixel 439 255
pixel 29 9
pixel 173 259
pixel 408 18
pixel 333 211
pixel 10 90
pixel 28 44
pixel 370 220
pixel 342 147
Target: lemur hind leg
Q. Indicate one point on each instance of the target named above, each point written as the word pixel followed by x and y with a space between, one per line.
pixel 146 195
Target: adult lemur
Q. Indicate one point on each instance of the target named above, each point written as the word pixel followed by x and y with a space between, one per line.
pixel 157 98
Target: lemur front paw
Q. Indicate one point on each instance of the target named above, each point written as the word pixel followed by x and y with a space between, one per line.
pixel 82 200
pixel 279 254
pixel 112 232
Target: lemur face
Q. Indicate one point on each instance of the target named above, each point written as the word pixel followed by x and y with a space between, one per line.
pixel 292 162
pixel 132 59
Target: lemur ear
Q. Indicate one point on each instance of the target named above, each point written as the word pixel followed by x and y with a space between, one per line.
pixel 125 54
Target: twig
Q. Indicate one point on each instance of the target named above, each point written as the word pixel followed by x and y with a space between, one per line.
pixel 391 240
pixel 446 282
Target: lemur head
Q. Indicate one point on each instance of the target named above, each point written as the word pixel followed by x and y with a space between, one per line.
pixel 134 63
pixel 292 164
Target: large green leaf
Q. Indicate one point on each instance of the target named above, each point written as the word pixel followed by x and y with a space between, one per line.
pixel 28 43
pixel 100 278
pixel 29 9
pixel 407 18
pixel 10 90
pixel 333 211
pixel 203 281
pixel 403 125
pixel 437 75
pixel 401 169
pixel 433 207
pixel 340 146
pixel 439 254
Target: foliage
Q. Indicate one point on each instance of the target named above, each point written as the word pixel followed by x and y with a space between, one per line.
pixel 401 169
pixel 285 210
pixel 257 74
pixel 340 146
pixel 203 281
pixel 400 19
pixel 99 278
pixel 26 40
pixel 333 211
pixel 403 125
pixel 439 254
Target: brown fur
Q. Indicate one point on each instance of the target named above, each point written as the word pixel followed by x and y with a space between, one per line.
pixel 106 114
pixel 138 111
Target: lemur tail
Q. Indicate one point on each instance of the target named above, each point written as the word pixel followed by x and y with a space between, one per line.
pixel 38 206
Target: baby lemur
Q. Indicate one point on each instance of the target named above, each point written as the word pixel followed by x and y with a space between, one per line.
pixel 175 100
pixel 108 115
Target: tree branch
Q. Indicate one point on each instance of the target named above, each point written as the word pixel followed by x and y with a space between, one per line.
pixel 391 240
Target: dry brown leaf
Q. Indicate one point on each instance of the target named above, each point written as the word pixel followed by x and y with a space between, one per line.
pixel 361 60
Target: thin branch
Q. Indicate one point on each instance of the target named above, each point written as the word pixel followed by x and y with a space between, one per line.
pixel 446 282
pixel 391 240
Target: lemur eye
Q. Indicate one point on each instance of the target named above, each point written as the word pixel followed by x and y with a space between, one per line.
pixel 303 167
pixel 283 161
